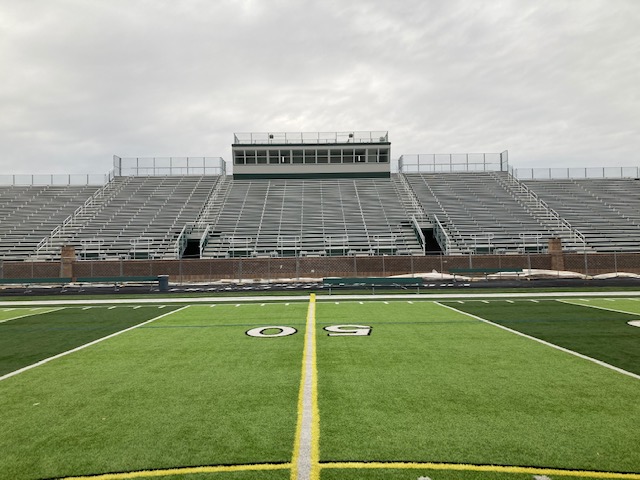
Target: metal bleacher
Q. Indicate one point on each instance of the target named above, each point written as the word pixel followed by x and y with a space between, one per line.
pixel 286 217
pixel 485 212
pixel 606 210
pixel 30 212
pixel 137 217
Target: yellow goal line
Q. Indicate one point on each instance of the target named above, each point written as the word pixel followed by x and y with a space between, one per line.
pixel 184 471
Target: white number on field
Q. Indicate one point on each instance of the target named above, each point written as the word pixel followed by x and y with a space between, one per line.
pixel 262 332
pixel 348 330
pixel 334 331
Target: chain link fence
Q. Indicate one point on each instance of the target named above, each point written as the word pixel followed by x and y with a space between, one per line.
pixel 297 268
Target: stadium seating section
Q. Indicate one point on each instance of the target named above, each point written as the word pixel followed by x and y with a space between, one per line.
pixel 475 212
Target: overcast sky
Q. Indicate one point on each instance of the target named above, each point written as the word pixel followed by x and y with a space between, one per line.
pixel 557 83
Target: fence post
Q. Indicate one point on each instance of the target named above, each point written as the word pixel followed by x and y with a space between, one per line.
pixel 586 264
pixel 615 262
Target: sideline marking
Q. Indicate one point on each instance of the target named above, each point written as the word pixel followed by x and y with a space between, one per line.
pixel 544 342
pixel 306 450
pixel 480 468
pixel 568 302
pixel 46 310
pixel 184 471
pixel 82 347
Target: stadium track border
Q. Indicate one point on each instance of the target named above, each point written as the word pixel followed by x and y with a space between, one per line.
pixel 319 298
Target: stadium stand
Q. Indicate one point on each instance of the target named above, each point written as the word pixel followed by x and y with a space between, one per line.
pixel 135 217
pixel 482 212
pixel 30 212
pixel 606 211
pixel 286 217
pixel 317 195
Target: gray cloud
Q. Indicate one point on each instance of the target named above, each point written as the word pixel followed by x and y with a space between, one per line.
pixel 554 82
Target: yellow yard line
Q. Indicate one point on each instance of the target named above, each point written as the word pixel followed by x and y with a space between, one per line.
pixel 480 468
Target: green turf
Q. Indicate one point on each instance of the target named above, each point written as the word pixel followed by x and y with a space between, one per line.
pixel 29 339
pixel 433 385
pixel 428 385
pixel 628 305
pixel 189 389
pixel 601 334
pixel 8 313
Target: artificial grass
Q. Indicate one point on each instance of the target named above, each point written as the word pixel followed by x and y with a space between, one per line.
pixel 29 339
pixel 189 389
pixel 7 314
pixel 601 334
pixel 434 385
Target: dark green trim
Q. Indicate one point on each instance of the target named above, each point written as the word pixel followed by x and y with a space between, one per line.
pixel 310 176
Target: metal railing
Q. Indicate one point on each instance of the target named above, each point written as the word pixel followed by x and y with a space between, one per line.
pixel 419 234
pixel 453 162
pixel 416 206
pixel 108 189
pixel 278 138
pixel 550 215
pixel 167 166
pixel 574 173
pixel 55 179
pixel 441 236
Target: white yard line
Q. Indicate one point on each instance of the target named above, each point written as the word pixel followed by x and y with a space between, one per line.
pixel 301 298
pixel 32 314
pixel 544 342
pixel 568 302
pixel 82 347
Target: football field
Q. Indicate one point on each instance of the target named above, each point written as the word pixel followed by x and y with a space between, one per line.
pixel 326 388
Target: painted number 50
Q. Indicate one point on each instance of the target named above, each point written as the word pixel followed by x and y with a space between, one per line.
pixel 274 331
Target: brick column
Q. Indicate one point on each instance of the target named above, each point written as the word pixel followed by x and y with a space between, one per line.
pixel 557 257
pixel 68 258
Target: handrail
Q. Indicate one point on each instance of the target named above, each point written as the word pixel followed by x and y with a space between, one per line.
pixel 47 242
pixel 207 207
pixel 441 236
pixel 204 240
pixel 552 215
pixel 418 230
pixel 415 203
